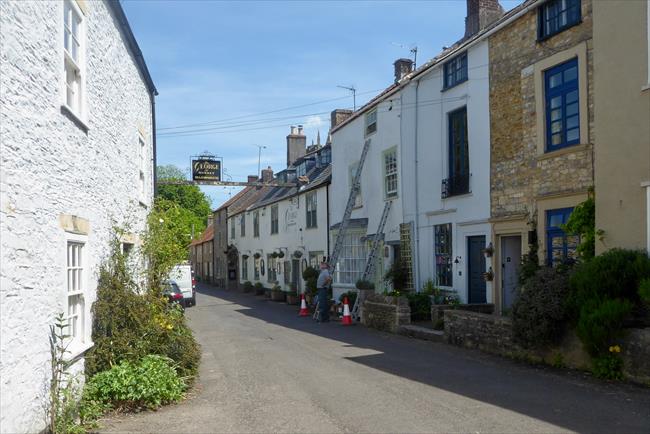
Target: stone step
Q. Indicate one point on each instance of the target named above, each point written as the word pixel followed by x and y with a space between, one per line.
pixel 423 333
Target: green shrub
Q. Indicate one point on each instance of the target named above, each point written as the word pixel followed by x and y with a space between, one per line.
pixel 149 383
pixel 248 286
pixel 644 290
pixel 539 313
pixel 352 297
pixel 364 284
pixel 616 273
pixel 601 323
pixel 258 285
pixel 582 221
pixel 310 275
pixel 608 366
pixel 429 288
pixel 128 325
pixel 397 275
pixel 420 305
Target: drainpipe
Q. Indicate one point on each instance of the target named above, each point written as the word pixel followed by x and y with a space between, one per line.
pixel 327 199
pixel 417 199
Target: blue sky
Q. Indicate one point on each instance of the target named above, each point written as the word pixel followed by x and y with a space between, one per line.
pixel 213 61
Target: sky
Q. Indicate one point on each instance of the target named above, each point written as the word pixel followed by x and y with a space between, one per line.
pixel 233 76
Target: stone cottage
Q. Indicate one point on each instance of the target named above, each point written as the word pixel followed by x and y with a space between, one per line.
pixel 78 156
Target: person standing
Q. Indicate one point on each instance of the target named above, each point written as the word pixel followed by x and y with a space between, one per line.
pixel 322 284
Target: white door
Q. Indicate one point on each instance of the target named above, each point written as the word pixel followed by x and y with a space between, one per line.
pixel 510 262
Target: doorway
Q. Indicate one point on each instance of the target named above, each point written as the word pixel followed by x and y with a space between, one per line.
pixel 295 274
pixel 475 269
pixel 510 262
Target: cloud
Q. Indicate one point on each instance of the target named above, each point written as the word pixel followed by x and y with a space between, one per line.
pixel 314 122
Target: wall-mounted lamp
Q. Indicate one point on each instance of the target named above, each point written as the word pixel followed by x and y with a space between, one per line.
pixel 457 260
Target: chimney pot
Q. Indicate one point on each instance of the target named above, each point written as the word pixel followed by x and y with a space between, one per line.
pixel 403 67
pixel 480 14
pixel 252 178
pixel 267 174
pixel 296 145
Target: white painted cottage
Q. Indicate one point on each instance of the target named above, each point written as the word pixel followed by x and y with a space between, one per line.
pixel 77 156
pixel 289 221
pixel 430 156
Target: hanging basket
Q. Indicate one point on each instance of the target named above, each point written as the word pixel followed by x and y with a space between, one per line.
pixel 257 256
pixel 297 254
pixel 281 255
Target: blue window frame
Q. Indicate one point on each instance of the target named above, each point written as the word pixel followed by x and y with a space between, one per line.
pixel 562 105
pixel 455 71
pixel 560 246
pixel 557 15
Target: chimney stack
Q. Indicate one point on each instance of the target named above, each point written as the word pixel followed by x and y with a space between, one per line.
pixel 480 14
pixel 403 67
pixel 338 116
pixel 296 144
pixel 252 178
pixel 267 174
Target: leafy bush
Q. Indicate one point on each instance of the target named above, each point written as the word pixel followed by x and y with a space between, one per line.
pixel 420 304
pixel 582 221
pixel 128 325
pixel 608 366
pixel 364 284
pixel 601 323
pixel 352 297
pixel 644 290
pixel 430 288
pixel 248 286
pixel 529 264
pixel 539 314
pixel 397 275
pixel 149 383
pixel 310 275
pixel 616 273
pixel 258 285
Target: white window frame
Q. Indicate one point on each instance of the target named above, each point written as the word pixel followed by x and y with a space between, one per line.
pixel 352 259
pixel 311 210
pixel 275 219
pixel 244 267
pixel 77 287
pixel 77 105
pixel 370 122
pixel 390 175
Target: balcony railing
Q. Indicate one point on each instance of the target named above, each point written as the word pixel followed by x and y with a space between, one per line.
pixel 455 185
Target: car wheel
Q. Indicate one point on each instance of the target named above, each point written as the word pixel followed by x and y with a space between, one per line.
pixel 193 300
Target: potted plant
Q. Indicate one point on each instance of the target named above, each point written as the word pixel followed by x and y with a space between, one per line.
pixel 259 288
pixel 281 254
pixel 292 296
pixel 257 255
pixel 297 254
pixel 277 294
pixel 489 275
pixel 274 255
pixel 310 276
pixel 248 286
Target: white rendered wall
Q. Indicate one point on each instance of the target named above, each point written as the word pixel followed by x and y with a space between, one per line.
pixel 468 213
pixel 51 167
pixel 347 144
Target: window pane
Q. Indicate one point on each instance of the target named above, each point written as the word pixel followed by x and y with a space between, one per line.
pixel 572 122
pixel 555 80
pixel 572 96
pixel 573 135
pixel 572 109
pixel 571 74
pixel 556 102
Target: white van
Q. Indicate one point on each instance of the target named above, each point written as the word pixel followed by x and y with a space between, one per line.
pixel 183 275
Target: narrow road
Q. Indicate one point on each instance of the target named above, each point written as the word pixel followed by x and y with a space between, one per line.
pixel 264 369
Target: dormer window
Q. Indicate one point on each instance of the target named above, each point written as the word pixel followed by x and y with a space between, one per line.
pixel 301 170
pixel 557 15
pixel 371 122
pixel 455 71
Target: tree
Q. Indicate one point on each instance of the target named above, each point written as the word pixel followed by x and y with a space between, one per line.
pixel 188 197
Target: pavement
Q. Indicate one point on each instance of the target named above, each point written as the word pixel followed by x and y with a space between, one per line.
pixel 266 370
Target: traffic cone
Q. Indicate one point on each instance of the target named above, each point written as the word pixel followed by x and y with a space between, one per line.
pixel 347 318
pixel 303 306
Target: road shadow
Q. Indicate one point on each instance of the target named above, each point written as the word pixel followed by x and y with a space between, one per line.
pixel 567 399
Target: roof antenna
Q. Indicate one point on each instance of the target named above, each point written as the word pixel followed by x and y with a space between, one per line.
pixel 354 95
pixel 413 48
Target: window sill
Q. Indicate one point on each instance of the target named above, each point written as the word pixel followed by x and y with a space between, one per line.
pixel 645 88
pixel 67 111
pixel 143 204
pixel 445 89
pixel 312 227
pixel 458 196
pixel 544 38
pixel 77 351
pixel 563 151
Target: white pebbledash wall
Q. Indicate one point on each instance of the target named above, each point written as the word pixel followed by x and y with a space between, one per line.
pixel 52 169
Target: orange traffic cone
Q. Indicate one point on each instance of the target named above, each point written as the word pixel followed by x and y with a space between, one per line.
pixel 303 306
pixel 347 318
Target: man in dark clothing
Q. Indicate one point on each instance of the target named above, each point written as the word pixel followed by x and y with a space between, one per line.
pixel 323 283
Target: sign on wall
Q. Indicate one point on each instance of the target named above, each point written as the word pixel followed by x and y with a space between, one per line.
pixel 206 169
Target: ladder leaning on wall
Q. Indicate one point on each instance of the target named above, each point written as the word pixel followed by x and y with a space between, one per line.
pixel 343 227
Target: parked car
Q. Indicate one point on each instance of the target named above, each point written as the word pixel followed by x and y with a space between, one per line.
pixel 183 275
pixel 173 294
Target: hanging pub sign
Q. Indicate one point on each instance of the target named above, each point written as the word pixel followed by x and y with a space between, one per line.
pixel 206 169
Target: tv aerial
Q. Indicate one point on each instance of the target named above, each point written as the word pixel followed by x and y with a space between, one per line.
pixel 413 49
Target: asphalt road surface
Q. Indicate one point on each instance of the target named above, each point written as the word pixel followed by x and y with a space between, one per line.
pixel 264 369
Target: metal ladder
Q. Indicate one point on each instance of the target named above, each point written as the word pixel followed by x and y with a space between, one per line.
pixel 345 221
pixel 369 271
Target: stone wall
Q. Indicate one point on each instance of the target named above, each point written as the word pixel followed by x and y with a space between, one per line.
pixel 493 334
pixel 438 310
pixel 385 313
pixel 53 169
pixel 519 173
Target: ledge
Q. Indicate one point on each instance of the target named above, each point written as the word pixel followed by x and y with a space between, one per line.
pixel 67 111
pixel 563 151
pixel 77 352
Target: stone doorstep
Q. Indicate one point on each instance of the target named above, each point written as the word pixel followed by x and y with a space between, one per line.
pixel 423 333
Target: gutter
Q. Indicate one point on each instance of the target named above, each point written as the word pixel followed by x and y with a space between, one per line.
pixel 327 199
pixel 153 142
pixel 417 199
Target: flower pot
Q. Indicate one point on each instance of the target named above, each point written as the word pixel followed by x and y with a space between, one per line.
pixel 278 295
